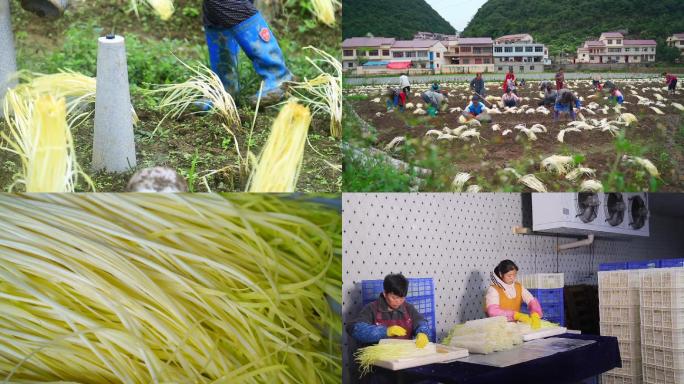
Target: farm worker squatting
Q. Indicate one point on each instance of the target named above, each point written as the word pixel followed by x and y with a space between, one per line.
pixel 566 101
pixel 437 100
pixel 395 98
pixel 233 24
pixel 476 110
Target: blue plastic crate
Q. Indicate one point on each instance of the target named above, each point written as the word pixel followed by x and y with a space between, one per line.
pixel 643 264
pixel 421 294
pixel 671 263
pixel 551 301
pixel 548 296
pixel 617 266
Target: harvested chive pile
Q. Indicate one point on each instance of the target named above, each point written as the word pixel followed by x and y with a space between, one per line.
pixel 153 288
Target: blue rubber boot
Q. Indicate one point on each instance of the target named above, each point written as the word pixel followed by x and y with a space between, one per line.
pixel 223 60
pixel 223 57
pixel 260 45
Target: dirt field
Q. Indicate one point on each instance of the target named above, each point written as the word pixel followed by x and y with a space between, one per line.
pixel 659 138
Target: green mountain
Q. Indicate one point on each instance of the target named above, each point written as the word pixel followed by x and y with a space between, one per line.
pixel 563 25
pixel 391 18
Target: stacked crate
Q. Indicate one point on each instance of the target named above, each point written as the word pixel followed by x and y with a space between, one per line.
pixel 619 317
pixel 548 289
pixel 662 325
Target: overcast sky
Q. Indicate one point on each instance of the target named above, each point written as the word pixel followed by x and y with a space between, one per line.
pixel 457 12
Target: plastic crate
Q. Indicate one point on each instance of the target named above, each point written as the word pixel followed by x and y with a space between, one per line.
pixel 663 357
pixel 548 296
pixel 554 313
pixel 630 367
pixel 671 263
pixel 663 278
pixel 624 332
pixel 620 279
pixel 643 264
pixel 630 349
pixel 662 337
pixel 619 297
pixel 421 294
pixel 542 281
pixel 612 266
pixel 619 315
pixel 663 298
pixel 663 318
pixel 611 378
pixel 659 375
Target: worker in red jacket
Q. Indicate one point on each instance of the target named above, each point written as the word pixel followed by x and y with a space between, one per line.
pixel 671 81
pixel 560 79
pixel 509 76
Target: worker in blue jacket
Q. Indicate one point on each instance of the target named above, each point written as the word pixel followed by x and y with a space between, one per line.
pixel 390 316
pixel 233 24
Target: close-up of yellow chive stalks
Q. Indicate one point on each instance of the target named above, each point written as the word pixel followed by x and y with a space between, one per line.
pixel 38 132
pixel 163 8
pixel 323 94
pixel 325 10
pixel 160 288
pixel 203 87
pixel 280 162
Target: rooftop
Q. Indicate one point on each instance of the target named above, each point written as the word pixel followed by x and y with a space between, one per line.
pixel 367 42
pixel 417 43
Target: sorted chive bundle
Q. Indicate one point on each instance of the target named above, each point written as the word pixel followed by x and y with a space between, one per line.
pixel 281 159
pixel 153 288
pixel 38 132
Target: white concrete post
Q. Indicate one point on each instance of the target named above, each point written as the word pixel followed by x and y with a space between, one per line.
pixel 8 60
pixel 113 141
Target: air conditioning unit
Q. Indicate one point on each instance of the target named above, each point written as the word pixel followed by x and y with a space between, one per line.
pixel 604 214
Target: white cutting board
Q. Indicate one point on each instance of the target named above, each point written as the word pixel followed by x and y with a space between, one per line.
pixel 444 354
pixel 542 333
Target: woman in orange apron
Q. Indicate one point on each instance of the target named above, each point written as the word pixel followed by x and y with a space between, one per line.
pixel 505 296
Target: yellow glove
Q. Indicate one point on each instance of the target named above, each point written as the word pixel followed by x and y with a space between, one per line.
pixel 521 317
pixel 422 340
pixel 536 321
pixel 396 330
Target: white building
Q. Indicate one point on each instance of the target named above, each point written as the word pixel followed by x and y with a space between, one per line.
pixel 613 48
pixel 677 41
pixel 380 53
pixel 520 53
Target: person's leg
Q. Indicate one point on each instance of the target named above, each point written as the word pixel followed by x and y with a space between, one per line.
pixel 254 36
pixel 223 57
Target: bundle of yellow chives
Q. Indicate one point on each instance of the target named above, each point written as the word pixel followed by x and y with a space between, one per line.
pixel 40 135
pixel 155 288
pixel 281 158
pixel 163 8
pixel 325 10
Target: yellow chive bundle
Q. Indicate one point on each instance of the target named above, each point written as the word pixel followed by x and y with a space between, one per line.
pixel 156 288
pixel 39 134
pixel 281 159
pixel 325 10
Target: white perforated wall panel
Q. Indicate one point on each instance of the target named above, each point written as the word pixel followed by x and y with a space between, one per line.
pixel 457 239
